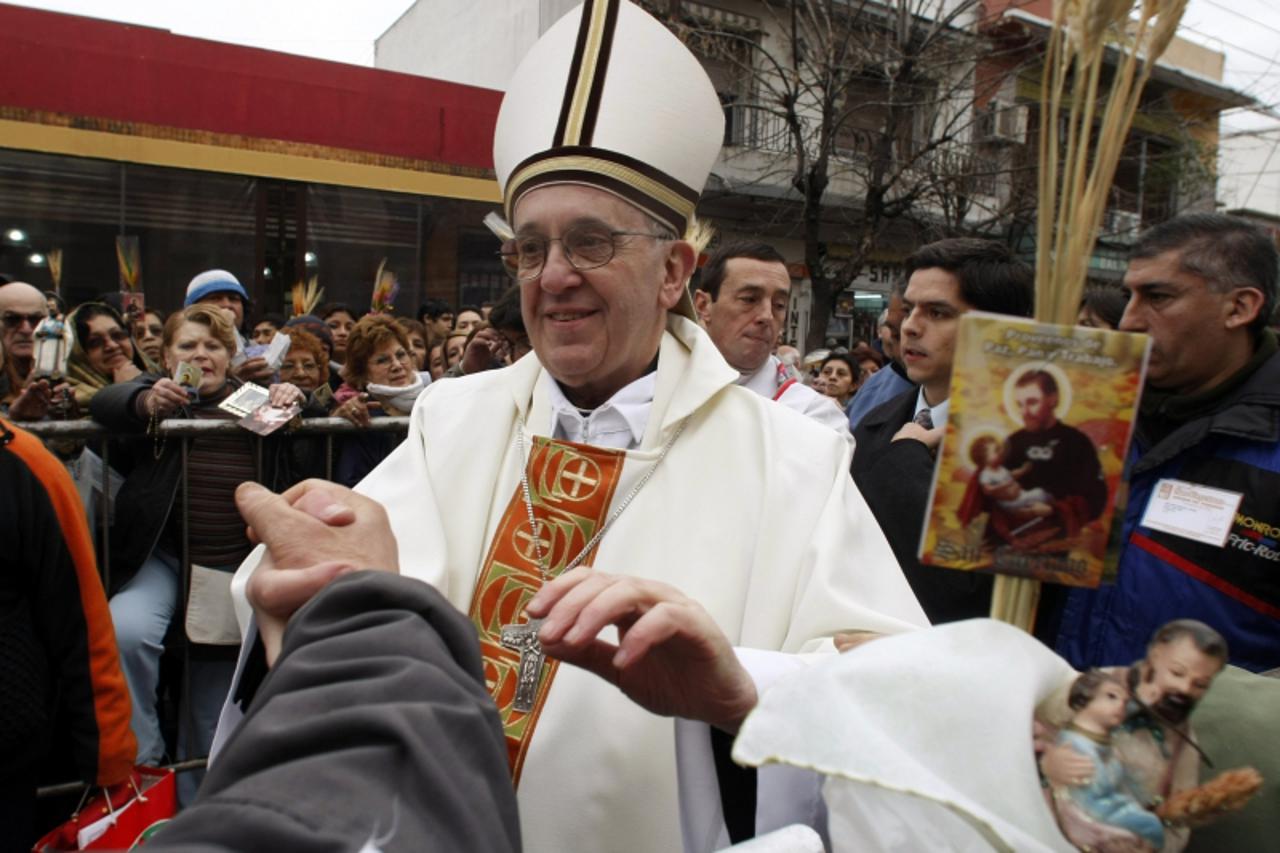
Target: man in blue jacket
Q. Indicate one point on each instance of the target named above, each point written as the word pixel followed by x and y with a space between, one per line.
pixel 1201 530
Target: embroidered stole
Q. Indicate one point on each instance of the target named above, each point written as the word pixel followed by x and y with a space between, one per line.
pixel 572 486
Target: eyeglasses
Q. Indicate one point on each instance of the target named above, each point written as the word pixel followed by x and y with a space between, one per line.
pixel 586 247
pixel 385 360
pixel 306 366
pixel 100 341
pixel 13 320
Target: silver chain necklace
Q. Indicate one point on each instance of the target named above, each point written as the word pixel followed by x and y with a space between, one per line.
pixel 523 637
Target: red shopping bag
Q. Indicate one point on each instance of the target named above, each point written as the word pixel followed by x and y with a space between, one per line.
pixel 120 817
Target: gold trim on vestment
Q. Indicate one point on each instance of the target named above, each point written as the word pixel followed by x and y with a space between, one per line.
pixel 571 487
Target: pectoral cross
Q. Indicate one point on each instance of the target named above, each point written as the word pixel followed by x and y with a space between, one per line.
pixel 523 638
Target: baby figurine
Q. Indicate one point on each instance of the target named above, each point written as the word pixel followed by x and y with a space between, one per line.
pixel 999 483
pixel 1099 700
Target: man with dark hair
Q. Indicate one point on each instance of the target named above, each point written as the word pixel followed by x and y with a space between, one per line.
pixel 1059 459
pixel 1202 286
pixel 437 316
pixel 896 442
pixel 742 300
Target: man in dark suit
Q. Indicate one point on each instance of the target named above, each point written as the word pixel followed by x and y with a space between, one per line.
pixel 896 443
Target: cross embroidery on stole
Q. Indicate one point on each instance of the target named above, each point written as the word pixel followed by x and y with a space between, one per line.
pixel 572 486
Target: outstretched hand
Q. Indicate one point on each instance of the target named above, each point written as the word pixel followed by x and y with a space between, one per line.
pixel 314 532
pixel 671 658
pixel 931 437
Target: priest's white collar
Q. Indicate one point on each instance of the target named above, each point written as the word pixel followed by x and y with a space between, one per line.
pixel 690 371
pixel 764 380
pixel 618 423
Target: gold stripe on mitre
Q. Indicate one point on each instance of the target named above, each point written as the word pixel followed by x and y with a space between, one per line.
pixel 586 73
pixel 646 186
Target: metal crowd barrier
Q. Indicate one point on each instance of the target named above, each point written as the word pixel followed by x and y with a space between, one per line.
pixel 185 431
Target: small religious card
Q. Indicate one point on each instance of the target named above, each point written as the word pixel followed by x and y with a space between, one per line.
pixel 188 376
pixel 265 420
pixel 276 350
pixel 133 304
pixel 247 398
pixel 1040 421
pixel 1192 511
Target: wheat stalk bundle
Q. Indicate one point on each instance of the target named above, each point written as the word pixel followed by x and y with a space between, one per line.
pixel 1082 134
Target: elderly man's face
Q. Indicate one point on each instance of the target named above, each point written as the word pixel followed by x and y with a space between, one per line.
pixel 22 307
pixel 1175 677
pixel 598 330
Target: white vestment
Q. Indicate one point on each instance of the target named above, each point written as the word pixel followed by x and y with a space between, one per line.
pixel 753 514
pixel 797 396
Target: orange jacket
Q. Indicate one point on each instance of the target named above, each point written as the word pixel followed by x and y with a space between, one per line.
pixel 62 656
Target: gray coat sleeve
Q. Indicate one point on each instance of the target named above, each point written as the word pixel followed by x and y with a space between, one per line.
pixel 374 727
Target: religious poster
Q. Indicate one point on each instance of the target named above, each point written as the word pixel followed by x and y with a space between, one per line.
pixel 1030 463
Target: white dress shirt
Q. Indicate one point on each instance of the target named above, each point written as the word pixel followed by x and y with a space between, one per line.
pixel 618 423
pixel 938 413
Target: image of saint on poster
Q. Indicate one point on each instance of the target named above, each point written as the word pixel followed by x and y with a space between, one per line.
pixel 1041 483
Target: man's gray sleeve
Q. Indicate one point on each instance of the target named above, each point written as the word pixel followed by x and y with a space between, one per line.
pixel 373 731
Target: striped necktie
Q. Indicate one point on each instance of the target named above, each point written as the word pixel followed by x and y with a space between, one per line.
pixel 924 418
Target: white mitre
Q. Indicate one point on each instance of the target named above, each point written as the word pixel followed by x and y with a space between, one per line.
pixel 611 99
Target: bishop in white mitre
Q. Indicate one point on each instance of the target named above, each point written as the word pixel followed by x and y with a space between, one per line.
pixel 682 540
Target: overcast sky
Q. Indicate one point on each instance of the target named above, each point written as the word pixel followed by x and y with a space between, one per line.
pixel 1247 31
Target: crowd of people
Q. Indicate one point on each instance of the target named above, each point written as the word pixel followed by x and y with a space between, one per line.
pixel 120 372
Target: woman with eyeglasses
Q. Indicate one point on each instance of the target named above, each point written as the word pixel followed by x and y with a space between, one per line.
pixel 380 382
pixel 103 352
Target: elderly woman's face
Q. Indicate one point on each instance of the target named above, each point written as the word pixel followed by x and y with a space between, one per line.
pixel 390 364
pixel 301 368
pixel 195 343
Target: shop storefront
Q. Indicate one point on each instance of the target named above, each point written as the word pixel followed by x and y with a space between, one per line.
pixel 274 167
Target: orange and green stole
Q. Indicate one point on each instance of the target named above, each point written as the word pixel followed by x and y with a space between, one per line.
pixel 571 486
